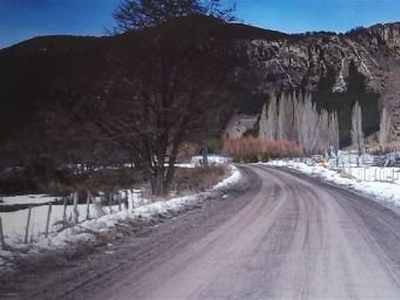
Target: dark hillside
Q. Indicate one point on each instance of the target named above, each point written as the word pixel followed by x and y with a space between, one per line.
pixel 45 71
pixel 60 70
pixel 47 83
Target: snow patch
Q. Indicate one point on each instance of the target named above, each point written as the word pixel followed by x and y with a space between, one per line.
pixel 235 176
pixel 363 179
pixel 14 222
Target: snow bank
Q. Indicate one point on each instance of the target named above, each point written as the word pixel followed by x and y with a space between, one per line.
pixel 235 176
pixel 384 191
pixel 15 222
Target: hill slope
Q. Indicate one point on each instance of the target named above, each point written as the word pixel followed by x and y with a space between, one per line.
pixel 60 70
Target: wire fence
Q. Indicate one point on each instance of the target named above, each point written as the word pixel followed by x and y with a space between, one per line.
pixel 39 221
pixel 368 167
pixel 380 174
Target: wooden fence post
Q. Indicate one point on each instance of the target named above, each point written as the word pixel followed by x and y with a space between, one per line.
pixel 27 225
pixel 89 197
pixel 65 212
pixel 76 212
pixel 48 221
pixel 126 197
pixel 2 239
pixel 119 202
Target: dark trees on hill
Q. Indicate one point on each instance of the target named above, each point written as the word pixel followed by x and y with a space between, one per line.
pixel 132 15
pixel 164 83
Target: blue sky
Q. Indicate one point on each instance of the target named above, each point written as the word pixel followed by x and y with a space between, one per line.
pixel 24 19
pixel 313 15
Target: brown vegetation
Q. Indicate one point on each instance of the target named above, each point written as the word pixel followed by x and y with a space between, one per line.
pixel 251 149
pixel 197 179
pixel 390 147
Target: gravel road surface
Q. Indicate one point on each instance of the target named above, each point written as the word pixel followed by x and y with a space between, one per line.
pixel 278 235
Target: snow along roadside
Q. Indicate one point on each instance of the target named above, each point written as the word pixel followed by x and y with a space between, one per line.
pixel 385 192
pixel 87 230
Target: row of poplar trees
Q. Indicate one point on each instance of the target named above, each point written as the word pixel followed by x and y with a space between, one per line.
pixel 294 116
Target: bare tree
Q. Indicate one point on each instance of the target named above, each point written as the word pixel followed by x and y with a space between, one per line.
pixel 328 131
pixel 308 124
pixel 296 118
pixel 263 122
pixel 384 129
pixel 285 118
pixel 333 131
pixel 323 132
pixel 163 85
pixel 272 118
pixel 357 135
pixel 132 15
pixel 295 121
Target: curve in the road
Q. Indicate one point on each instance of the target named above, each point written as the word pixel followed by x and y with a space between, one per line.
pixel 294 239
pixel 286 237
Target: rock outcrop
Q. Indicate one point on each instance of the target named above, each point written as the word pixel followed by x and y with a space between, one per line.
pixel 299 61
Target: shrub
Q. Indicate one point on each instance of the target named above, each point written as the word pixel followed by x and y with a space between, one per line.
pixel 214 145
pixel 197 179
pixel 390 147
pixel 252 149
pixel 265 157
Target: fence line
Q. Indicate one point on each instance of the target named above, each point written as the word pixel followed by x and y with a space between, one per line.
pixel 372 174
pixel 37 222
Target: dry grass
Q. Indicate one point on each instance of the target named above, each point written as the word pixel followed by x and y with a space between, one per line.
pixel 197 179
pixel 251 149
pixel 390 147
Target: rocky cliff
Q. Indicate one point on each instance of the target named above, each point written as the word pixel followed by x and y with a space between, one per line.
pixel 300 61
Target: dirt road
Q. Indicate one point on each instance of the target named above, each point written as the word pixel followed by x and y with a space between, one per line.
pixel 281 236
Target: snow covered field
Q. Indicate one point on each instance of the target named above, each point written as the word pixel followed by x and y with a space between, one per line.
pixel 14 223
pixel 381 183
